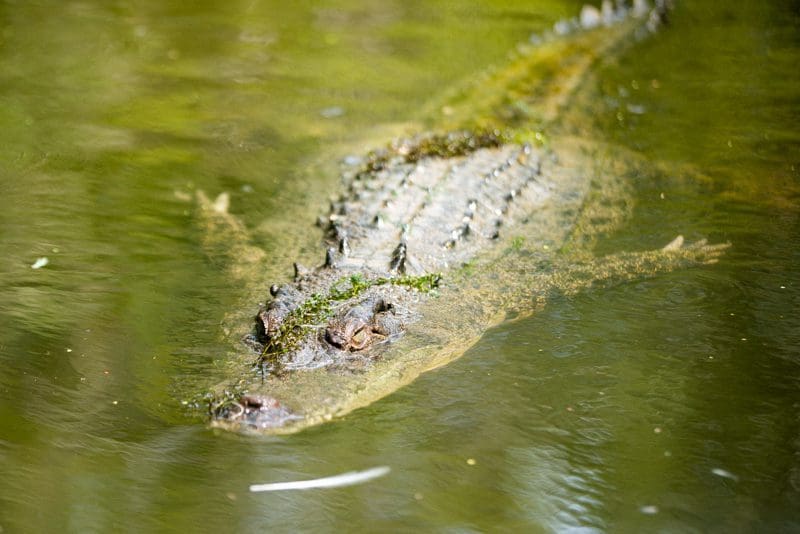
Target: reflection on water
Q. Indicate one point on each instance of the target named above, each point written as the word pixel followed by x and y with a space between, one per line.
pixel 667 404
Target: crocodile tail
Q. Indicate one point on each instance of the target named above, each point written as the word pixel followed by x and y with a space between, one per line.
pixel 537 89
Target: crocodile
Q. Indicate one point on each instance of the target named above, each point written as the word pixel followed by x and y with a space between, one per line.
pixel 439 236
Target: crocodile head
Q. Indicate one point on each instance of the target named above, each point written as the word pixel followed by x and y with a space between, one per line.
pixel 342 325
pixel 311 324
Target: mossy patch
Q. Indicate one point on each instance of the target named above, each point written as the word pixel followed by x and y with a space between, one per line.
pixel 319 308
pixel 449 145
pixel 440 145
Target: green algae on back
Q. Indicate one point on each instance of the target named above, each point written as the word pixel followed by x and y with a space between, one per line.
pixel 318 309
pixel 437 145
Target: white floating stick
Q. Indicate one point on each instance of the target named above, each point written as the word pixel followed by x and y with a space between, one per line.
pixel 39 263
pixel 337 481
pixel 724 474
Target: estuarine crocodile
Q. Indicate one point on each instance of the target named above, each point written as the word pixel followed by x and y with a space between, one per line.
pixel 439 236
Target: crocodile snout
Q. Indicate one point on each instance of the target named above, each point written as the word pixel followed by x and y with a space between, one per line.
pixel 257 412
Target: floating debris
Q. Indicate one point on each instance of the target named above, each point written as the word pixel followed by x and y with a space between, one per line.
pixel 337 481
pixel 332 112
pixel 636 109
pixel 353 160
pixel 724 474
pixel 649 509
pixel 40 262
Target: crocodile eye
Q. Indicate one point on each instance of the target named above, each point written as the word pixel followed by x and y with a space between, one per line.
pixel 360 339
pixel 267 323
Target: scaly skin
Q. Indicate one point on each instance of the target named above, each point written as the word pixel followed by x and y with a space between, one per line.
pixel 435 237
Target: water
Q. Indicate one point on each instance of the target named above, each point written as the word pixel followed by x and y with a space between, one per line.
pixel 668 404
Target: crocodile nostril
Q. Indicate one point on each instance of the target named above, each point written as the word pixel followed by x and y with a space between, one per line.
pixel 250 401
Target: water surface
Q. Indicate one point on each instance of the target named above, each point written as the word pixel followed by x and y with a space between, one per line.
pixel 667 404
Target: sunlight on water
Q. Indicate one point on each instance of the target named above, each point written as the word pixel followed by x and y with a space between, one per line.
pixel 667 404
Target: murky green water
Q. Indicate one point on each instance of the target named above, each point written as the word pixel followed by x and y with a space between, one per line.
pixel 670 404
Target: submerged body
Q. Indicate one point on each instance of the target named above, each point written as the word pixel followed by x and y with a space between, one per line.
pixel 436 238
